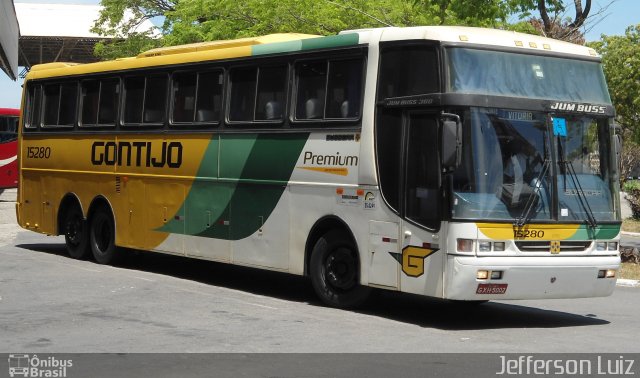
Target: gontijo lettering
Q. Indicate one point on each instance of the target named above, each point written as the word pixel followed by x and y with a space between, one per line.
pixel 146 154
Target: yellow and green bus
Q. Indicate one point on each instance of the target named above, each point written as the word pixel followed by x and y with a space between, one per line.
pixel 461 163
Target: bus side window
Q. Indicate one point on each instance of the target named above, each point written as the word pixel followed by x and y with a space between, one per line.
pixel 99 102
pixel 34 99
pixel 184 96
pixel 145 99
pixel 312 80
pixel 90 90
pixel 344 88
pixel 209 96
pixel 109 100
pixel 197 97
pixel 258 93
pixel 243 94
pixel 155 98
pixel 329 89
pixel 60 104
pixel 271 93
pixel 134 99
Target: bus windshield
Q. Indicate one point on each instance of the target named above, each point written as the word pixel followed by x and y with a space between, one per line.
pixel 532 76
pixel 518 164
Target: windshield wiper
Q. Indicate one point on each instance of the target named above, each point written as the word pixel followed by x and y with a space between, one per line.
pixel 531 200
pixel 591 219
pixel 568 168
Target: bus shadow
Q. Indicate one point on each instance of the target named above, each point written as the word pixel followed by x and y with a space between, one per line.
pixel 405 308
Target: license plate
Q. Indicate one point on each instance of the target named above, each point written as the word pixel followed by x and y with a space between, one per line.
pixel 491 288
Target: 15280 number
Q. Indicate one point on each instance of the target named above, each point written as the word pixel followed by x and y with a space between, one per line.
pixel 521 234
pixel 38 152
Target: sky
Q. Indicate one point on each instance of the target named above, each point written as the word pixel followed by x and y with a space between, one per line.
pixel 614 21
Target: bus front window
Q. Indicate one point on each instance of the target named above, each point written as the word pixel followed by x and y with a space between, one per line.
pixel 506 172
pixel 508 168
pixel 585 182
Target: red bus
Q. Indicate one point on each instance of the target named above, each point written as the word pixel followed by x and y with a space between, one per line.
pixel 9 148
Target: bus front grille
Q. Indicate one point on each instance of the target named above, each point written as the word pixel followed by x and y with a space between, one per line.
pixel 545 246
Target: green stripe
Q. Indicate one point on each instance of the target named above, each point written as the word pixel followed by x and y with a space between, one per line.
pixel 603 232
pixel 262 165
pixel 306 44
pixel 330 41
pixel 278 47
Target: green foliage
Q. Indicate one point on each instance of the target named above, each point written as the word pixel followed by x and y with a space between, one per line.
pixel 621 61
pixel 633 196
pixel 188 21
pixel 631 185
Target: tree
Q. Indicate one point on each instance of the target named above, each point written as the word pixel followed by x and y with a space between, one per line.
pixel 621 63
pixel 187 21
pixel 121 19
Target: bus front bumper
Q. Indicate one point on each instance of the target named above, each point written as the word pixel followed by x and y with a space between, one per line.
pixel 529 277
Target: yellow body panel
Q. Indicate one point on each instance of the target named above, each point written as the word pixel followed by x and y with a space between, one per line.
pixel 505 231
pixel 142 197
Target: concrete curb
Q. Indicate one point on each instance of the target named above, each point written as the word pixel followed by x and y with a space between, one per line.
pixel 636 234
pixel 627 283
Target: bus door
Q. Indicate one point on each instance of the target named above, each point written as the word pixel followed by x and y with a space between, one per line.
pixel 421 200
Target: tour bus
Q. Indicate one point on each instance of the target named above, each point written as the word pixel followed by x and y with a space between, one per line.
pixel 9 148
pixel 460 163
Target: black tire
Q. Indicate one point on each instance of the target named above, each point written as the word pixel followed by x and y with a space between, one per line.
pixel 335 271
pixel 103 237
pixel 76 233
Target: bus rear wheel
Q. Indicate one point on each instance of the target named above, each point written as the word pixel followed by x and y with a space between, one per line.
pixel 76 235
pixel 334 270
pixel 103 237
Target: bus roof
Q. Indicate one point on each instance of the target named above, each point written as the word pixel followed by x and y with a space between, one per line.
pixel 290 42
pixel 200 52
pixel 480 36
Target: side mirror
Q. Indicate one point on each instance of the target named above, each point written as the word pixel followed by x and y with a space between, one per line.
pixel 451 144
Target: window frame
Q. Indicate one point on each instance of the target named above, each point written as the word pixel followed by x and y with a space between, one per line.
pixel 435 45
pixel 328 59
pixel 123 100
pixel 118 103
pixel 60 84
pixel 34 105
pixel 258 123
pixel 179 125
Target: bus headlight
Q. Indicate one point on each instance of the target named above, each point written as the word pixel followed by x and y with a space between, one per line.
pixel 465 245
pixel 612 246
pixel 482 274
pixel 601 246
pixel 498 246
pixel 608 273
pixel 484 246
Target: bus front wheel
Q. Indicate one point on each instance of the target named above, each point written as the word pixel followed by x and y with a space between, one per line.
pixel 102 237
pixel 76 235
pixel 334 270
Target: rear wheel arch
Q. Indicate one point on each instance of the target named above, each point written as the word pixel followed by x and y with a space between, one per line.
pixel 67 203
pixel 100 202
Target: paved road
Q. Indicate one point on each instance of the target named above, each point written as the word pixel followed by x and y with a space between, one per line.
pixel 159 303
